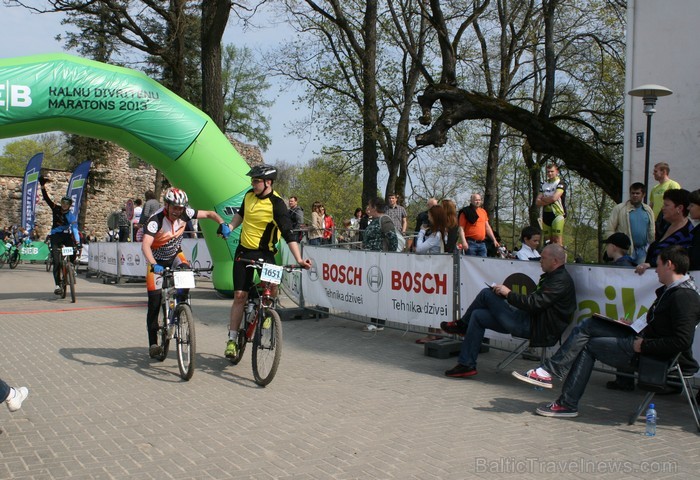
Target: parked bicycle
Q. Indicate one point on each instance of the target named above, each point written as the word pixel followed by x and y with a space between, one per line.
pixel 261 322
pixel 176 321
pixel 66 272
pixel 11 255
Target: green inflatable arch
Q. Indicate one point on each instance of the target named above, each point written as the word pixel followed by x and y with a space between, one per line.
pixel 62 92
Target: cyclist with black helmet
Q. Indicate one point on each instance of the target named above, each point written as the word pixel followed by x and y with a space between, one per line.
pixel 264 216
pixel 161 246
pixel 64 231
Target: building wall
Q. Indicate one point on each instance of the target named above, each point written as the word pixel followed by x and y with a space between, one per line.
pixel 662 49
pixel 126 183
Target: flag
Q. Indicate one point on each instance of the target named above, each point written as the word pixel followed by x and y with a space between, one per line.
pixel 29 192
pixel 76 185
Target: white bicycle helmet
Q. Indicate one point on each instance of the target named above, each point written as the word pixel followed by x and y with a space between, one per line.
pixel 175 197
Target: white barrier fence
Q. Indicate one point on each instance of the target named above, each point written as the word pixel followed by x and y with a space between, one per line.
pixel 410 289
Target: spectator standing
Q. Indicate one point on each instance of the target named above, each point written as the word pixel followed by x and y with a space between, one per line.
pixel 397 213
pixel 328 227
pixel 552 200
pixel 635 219
pixel 296 215
pixel 530 238
pixel 151 206
pixel 656 196
pixel 455 233
pixel 475 222
pixel 138 208
pixel 421 219
pixel 123 225
pixel 432 234
pixel 617 246
pixel 316 229
pixel 694 213
pixel 675 213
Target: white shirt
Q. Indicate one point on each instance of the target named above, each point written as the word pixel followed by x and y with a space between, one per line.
pixel 526 253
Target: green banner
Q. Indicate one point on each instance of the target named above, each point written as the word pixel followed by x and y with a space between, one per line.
pixel 81 90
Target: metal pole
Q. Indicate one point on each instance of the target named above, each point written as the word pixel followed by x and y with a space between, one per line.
pixel 646 159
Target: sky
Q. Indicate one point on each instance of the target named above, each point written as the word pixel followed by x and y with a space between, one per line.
pixel 24 33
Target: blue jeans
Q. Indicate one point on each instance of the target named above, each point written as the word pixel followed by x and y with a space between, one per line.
pixel 490 311
pixel 640 254
pixel 616 351
pixel 476 249
pixel 4 391
pixel 560 363
pixel 315 241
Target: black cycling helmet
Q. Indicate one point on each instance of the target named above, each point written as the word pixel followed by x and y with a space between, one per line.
pixel 67 199
pixel 266 172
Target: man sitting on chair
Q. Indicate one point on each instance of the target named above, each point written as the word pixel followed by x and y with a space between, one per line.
pixel 541 316
pixel 670 329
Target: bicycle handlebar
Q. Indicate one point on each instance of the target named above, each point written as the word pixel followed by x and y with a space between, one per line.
pixel 258 264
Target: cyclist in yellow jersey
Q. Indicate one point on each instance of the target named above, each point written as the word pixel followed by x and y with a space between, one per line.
pixel 551 199
pixel 263 216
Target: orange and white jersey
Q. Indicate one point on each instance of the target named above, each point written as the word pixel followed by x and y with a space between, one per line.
pixel 167 236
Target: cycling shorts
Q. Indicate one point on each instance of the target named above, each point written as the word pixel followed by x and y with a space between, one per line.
pixel 242 276
pixel 552 225
pixel 154 282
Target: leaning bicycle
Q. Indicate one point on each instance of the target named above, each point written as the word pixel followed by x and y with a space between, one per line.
pixel 261 322
pixel 11 255
pixel 66 272
pixel 176 321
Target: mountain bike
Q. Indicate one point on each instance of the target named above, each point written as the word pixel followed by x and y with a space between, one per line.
pixel 66 272
pixel 11 255
pixel 261 322
pixel 176 321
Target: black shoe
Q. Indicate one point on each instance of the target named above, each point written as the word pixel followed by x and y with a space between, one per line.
pixel 460 371
pixel 155 351
pixel 624 386
pixel 454 327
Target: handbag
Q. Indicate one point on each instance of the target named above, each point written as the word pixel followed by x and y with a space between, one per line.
pixel 652 373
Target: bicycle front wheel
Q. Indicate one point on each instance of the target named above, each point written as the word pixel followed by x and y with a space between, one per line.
pixel 64 280
pixel 14 258
pixel 70 280
pixel 267 347
pixel 3 259
pixel 163 335
pixel 185 340
pixel 49 263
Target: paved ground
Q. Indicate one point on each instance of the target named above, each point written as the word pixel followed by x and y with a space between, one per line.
pixel 345 404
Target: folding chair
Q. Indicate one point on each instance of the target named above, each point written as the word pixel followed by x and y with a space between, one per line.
pixel 523 345
pixel 685 379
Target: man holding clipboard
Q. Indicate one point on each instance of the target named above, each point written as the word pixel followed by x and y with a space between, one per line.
pixel 667 329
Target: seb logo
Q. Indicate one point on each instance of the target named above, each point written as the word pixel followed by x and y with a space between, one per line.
pixel 347 274
pixel 431 283
pixel 15 95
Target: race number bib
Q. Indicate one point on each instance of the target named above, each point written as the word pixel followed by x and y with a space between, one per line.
pixel 271 273
pixel 67 251
pixel 8 245
pixel 183 279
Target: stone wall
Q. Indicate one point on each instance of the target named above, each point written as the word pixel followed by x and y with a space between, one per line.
pixel 126 183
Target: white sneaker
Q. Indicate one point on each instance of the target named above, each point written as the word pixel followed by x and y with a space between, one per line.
pixel 15 403
pixel 372 328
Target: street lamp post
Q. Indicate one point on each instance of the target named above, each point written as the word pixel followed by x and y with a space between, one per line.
pixel 649 94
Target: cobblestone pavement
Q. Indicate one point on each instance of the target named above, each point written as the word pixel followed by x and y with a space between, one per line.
pixel 345 404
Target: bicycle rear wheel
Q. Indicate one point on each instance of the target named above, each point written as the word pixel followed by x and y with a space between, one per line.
pixel 14 258
pixel 267 347
pixel 70 280
pixel 49 263
pixel 185 340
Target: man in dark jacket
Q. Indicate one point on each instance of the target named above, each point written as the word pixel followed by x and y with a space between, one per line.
pixel 669 330
pixel 542 316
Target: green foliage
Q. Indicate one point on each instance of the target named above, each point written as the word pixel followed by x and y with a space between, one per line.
pixel 245 86
pixel 330 180
pixel 16 154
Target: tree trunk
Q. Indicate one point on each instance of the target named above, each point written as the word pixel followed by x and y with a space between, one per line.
pixel 215 14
